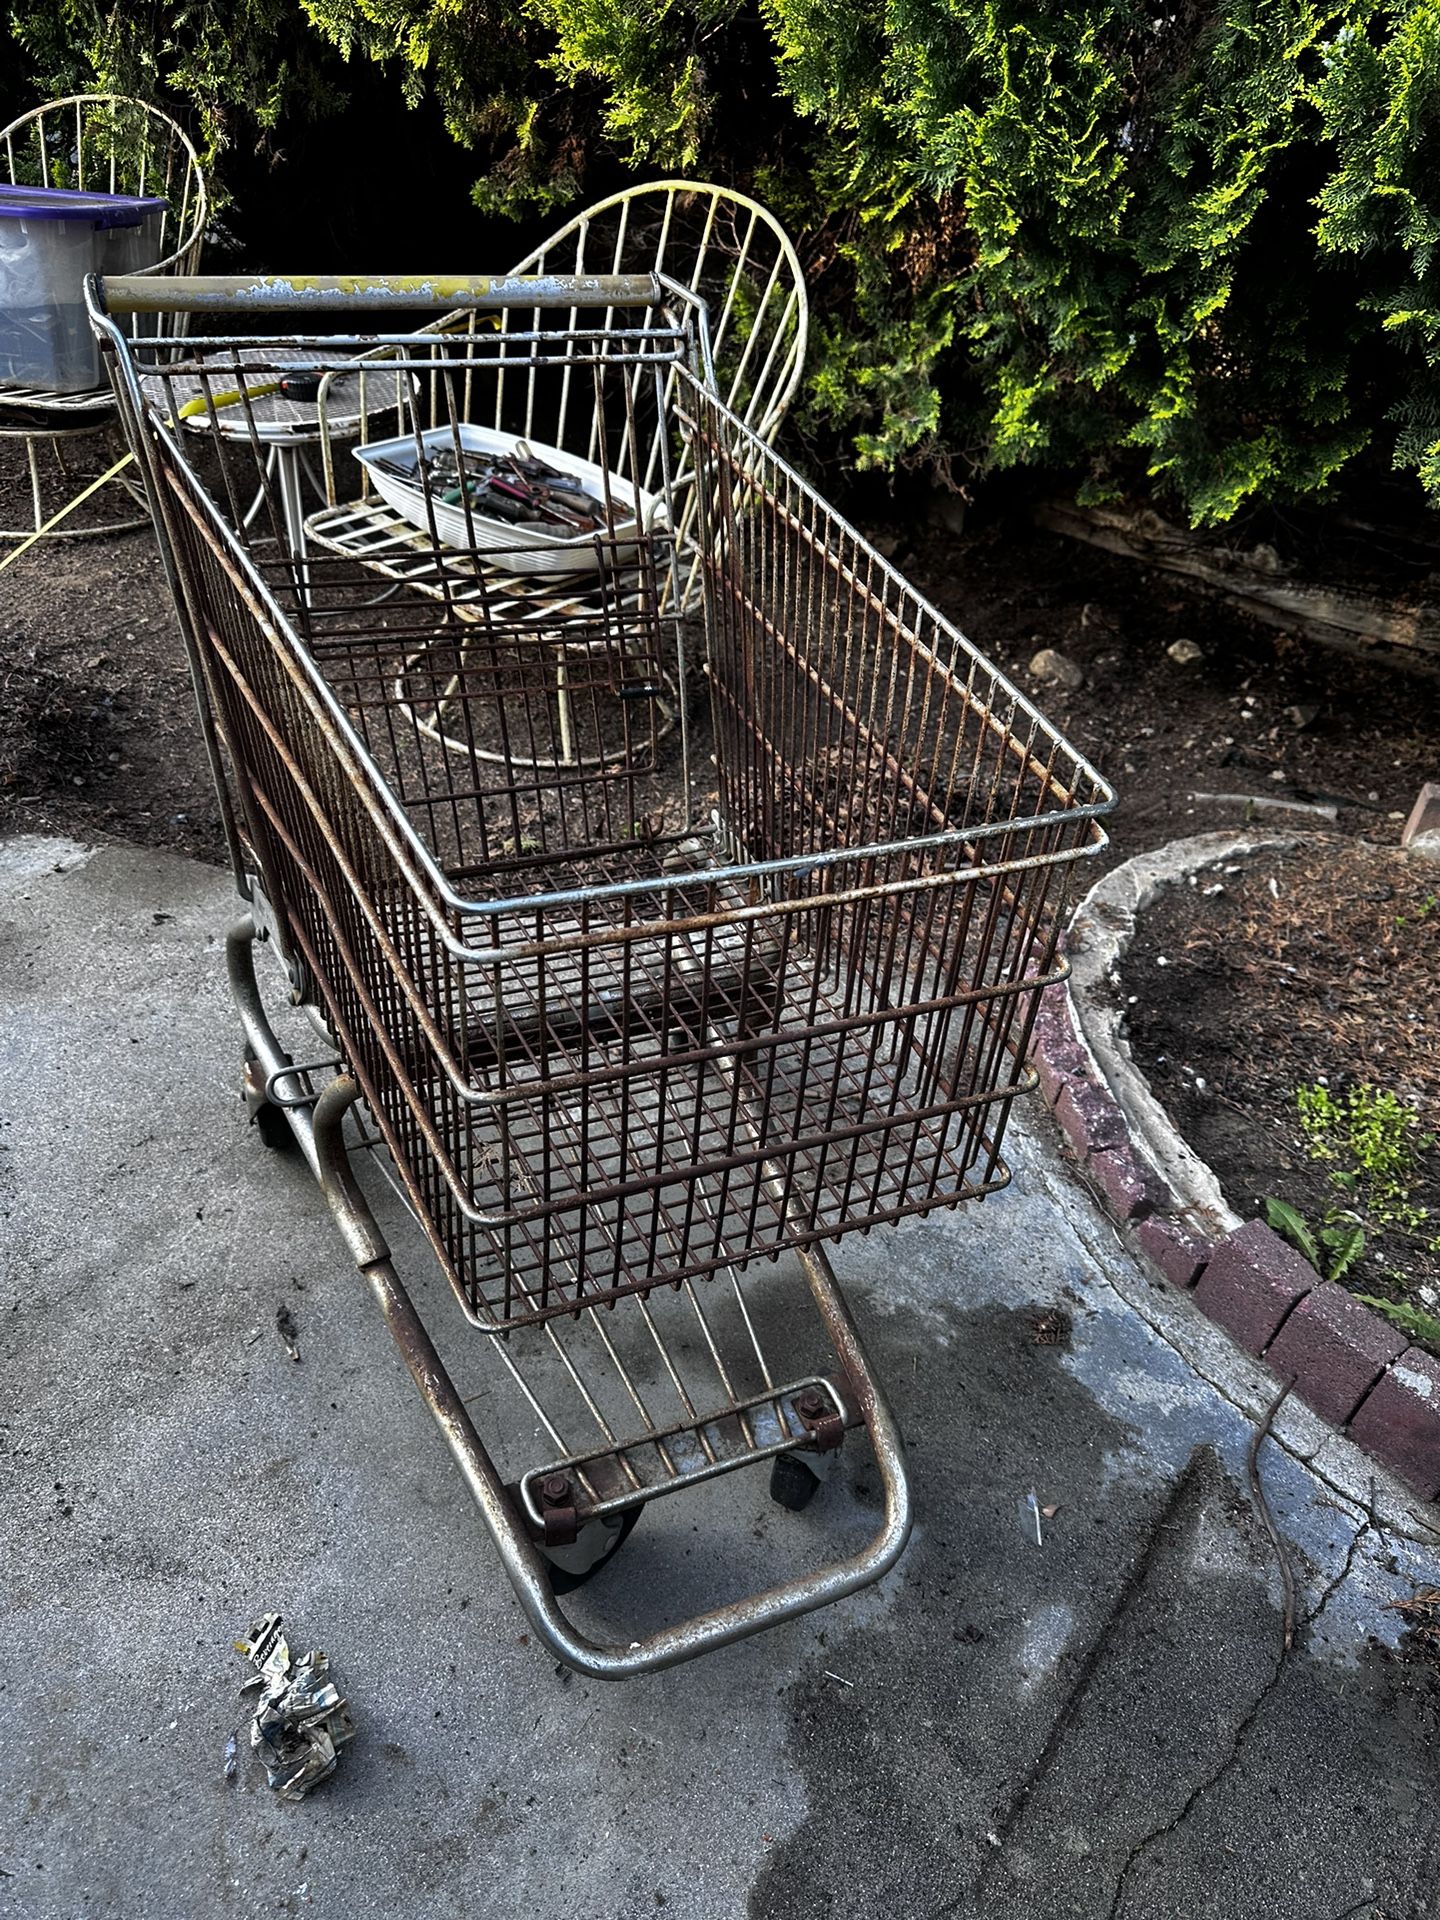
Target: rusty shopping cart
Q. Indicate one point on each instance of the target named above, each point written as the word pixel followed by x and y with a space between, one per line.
pixel 646 978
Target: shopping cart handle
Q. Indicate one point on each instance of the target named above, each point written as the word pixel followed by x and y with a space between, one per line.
pixel 361 293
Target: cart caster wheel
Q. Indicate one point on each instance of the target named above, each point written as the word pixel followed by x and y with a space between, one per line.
pixel 595 1547
pixel 274 1129
pixel 267 1119
pixel 792 1484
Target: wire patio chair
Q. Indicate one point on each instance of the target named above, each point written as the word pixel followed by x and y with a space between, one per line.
pixel 99 143
pixel 720 246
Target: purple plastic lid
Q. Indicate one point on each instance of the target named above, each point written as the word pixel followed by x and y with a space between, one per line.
pixel 65 203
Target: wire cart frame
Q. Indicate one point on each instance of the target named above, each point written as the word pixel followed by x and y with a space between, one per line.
pixel 639 1026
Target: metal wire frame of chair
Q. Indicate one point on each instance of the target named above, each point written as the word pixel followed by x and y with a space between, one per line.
pixel 99 143
pixel 721 247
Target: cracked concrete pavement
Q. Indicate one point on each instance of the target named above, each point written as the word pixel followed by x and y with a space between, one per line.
pixel 1103 1726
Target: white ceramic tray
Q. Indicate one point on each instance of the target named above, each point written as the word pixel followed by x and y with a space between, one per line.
pixel 515 549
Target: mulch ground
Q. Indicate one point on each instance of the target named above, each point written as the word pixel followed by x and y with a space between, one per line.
pixel 97 731
pixel 98 734
pixel 1317 965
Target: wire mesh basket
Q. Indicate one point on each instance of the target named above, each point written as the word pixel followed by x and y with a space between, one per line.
pixel 657 948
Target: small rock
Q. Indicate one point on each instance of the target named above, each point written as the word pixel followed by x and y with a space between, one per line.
pixel 1185 652
pixel 1421 832
pixel 1057 669
pixel 947 510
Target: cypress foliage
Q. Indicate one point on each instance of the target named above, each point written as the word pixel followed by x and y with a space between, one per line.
pixel 1183 243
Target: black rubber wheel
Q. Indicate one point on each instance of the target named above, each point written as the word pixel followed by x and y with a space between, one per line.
pixel 792 1484
pixel 567 1579
pixel 269 1121
pixel 274 1129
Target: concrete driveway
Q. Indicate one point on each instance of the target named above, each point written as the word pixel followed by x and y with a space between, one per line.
pixel 1100 1726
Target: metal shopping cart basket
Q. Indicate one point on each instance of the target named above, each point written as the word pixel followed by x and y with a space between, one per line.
pixel 645 1014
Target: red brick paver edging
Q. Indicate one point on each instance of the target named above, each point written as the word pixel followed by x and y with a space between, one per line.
pixel 1347 1363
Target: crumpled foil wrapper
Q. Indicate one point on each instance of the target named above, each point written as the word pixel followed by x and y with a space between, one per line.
pixel 301 1718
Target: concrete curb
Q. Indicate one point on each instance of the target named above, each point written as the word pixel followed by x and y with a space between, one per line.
pixel 1348 1364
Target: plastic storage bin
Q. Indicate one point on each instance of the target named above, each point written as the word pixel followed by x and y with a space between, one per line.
pixel 50 238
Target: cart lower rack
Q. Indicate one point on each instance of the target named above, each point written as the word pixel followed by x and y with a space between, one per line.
pixel 657 952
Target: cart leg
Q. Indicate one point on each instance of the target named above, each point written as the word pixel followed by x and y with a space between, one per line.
pixel 261 1043
pixel 266 1116
pixel 319 1135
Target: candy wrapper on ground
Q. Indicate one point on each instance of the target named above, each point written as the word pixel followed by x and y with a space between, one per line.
pixel 301 1718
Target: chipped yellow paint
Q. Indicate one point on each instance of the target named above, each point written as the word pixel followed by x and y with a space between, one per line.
pixel 203 403
pixel 180 293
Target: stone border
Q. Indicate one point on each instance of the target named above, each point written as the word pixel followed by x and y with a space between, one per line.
pixel 1348 1364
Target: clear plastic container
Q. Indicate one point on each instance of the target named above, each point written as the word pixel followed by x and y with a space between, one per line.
pixel 50 238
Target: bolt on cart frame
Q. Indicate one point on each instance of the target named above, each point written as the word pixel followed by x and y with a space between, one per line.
pixel 640 1026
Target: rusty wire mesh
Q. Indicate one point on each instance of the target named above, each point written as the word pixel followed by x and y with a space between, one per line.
pixel 625 1018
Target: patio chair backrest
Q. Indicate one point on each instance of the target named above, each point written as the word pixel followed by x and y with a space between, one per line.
pixel 717 244
pixel 724 247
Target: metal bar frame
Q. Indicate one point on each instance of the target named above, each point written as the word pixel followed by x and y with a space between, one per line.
pixel 319 1134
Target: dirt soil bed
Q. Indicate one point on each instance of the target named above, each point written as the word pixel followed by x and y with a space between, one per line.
pixel 97 725
pixel 97 734
pixel 1316 966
